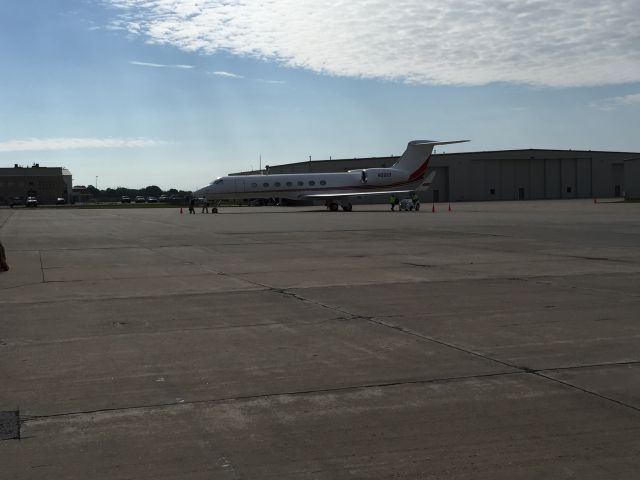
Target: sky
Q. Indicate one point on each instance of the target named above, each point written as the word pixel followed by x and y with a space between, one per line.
pixel 177 92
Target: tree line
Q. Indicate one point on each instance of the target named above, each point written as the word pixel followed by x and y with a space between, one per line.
pixel 150 191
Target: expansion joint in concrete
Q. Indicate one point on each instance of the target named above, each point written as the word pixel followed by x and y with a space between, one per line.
pixel 241 398
pixel 584 390
pixel 520 369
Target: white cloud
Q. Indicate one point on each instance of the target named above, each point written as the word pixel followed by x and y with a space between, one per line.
pixel 461 42
pixel 42 144
pixel 226 74
pixel 158 65
pixel 617 102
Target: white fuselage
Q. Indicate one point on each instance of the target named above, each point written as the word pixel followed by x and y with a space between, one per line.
pixel 306 185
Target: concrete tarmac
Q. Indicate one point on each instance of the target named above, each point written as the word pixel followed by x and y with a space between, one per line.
pixel 498 341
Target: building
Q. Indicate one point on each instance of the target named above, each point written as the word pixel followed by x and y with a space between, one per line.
pixel 45 183
pixel 632 178
pixel 501 175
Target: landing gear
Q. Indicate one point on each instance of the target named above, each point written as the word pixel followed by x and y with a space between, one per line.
pixel 335 206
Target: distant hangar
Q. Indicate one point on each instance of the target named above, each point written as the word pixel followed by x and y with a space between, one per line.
pixel 529 174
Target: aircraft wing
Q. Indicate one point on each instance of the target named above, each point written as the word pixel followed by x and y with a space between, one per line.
pixel 353 194
pixel 423 186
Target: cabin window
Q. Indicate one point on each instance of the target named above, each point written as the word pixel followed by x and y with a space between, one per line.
pixel 300 184
pixel 311 183
pixel 289 184
pixel 254 185
pixel 323 182
pixel 265 184
pixel 277 184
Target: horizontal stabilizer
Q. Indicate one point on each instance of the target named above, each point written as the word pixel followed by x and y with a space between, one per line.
pixel 435 142
pixel 427 182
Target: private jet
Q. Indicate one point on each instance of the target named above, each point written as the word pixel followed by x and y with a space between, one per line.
pixel 408 174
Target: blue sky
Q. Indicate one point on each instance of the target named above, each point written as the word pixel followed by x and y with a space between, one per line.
pixel 177 92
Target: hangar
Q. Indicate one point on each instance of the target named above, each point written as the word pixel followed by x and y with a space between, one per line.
pixel 528 174
pixel 45 183
pixel 632 178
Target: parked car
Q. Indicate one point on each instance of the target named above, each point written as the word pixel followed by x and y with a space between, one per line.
pixel 61 201
pixel 163 198
pixel 125 199
pixel 140 199
pixel 31 202
pixel 152 200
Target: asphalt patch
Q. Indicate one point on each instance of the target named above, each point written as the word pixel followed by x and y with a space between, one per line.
pixel 9 425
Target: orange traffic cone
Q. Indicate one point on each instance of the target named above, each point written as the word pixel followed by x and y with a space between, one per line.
pixel 181 212
pixel 433 208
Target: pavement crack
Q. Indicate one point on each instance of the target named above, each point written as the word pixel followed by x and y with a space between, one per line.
pixel 520 369
pixel 593 365
pixel 444 344
pixel 41 266
pixel 262 396
pixel 587 391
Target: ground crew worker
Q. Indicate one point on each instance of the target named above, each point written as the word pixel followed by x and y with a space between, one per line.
pixel 415 200
pixel 392 201
pixel 192 205
pixel 205 206
pixel 3 259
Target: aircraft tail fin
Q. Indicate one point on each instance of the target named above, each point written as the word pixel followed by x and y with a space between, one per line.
pixel 415 158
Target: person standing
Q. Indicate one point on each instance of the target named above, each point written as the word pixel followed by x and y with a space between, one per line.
pixel 415 200
pixel 192 206
pixel 392 201
pixel 205 206
pixel 3 259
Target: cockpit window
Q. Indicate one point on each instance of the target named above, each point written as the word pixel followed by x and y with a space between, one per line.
pixel 218 181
